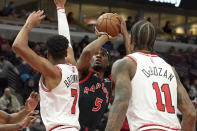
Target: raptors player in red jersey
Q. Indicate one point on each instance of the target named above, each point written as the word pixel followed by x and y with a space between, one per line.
pixel 95 83
pixel 59 84
pixel 148 90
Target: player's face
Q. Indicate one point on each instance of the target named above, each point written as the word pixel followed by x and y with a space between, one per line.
pixel 100 60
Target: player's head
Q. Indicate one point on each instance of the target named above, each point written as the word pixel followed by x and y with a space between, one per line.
pixel 100 60
pixel 143 35
pixel 57 47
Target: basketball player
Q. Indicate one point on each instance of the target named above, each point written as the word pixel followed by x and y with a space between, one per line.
pixel 58 87
pixel 22 119
pixel 148 90
pixel 95 83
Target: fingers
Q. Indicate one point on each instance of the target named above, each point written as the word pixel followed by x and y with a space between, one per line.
pixel 113 38
pixel 34 95
pixel 42 17
pixel 35 112
pixel 34 119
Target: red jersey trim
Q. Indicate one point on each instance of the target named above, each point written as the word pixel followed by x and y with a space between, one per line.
pixel 43 88
pixel 155 129
pixel 132 58
pixel 112 82
pixel 59 126
pixel 176 129
pixel 60 70
pixel 87 77
pixel 152 55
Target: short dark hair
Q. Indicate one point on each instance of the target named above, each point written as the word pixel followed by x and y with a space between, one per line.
pixel 57 46
pixel 143 35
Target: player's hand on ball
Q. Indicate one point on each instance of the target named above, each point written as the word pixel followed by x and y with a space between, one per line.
pixel 32 101
pixel 60 3
pixel 35 18
pixel 110 38
pixel 123 26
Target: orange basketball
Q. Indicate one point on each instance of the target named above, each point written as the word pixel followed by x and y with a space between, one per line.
pixel 109 23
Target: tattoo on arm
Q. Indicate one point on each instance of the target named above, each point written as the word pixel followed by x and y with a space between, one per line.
pixel 121 76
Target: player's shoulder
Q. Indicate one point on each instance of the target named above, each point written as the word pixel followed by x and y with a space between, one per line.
pixel 124 64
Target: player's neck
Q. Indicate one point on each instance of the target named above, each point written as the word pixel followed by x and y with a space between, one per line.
pixel 144 51
pixel 101 74
pixel 58 61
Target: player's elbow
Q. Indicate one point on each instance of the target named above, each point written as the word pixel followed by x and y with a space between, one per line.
pixel 191 114
pixel 17 48
pixel 86 51
pixel 122 101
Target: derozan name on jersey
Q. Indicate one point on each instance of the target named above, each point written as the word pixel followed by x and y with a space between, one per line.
pixel 174 2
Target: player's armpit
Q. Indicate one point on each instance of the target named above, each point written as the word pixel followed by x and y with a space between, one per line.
pixel 185 106
pixel 122 73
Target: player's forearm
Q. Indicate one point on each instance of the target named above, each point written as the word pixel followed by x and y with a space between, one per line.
pixel 17 117
pixel 63 27
pixel 188 122
pixel 117 116
pixel 127 42
pixel 10 127
pixel 21 41
pixel 96 45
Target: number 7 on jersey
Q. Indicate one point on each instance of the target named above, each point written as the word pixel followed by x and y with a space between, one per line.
pixel 74 94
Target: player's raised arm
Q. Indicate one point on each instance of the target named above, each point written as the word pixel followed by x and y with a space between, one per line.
pixel 185 106
pixel 63 28
pixel 21 47
pixel 122 73
pixel 127 39
pixel 83 64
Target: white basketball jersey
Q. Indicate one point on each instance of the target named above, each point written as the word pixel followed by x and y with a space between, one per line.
pixel 153 104
pixel 59 106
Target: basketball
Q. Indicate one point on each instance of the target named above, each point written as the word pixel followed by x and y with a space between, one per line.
pixel 109 23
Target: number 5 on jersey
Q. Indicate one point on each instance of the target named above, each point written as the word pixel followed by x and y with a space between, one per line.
pixel 98 103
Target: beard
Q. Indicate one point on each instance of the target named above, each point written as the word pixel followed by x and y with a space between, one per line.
pixel 97 68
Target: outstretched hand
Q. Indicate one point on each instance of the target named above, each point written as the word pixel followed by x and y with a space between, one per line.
pixel 60 3
pixel 110 38
pixel 35 18
pixel 31 118
pixel 32 101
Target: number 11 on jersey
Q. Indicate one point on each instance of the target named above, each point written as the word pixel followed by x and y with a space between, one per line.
pixel 168 100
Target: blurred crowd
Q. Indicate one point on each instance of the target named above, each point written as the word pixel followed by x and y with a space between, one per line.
pixel 166 32
pixel 18 79
pixel 10 11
